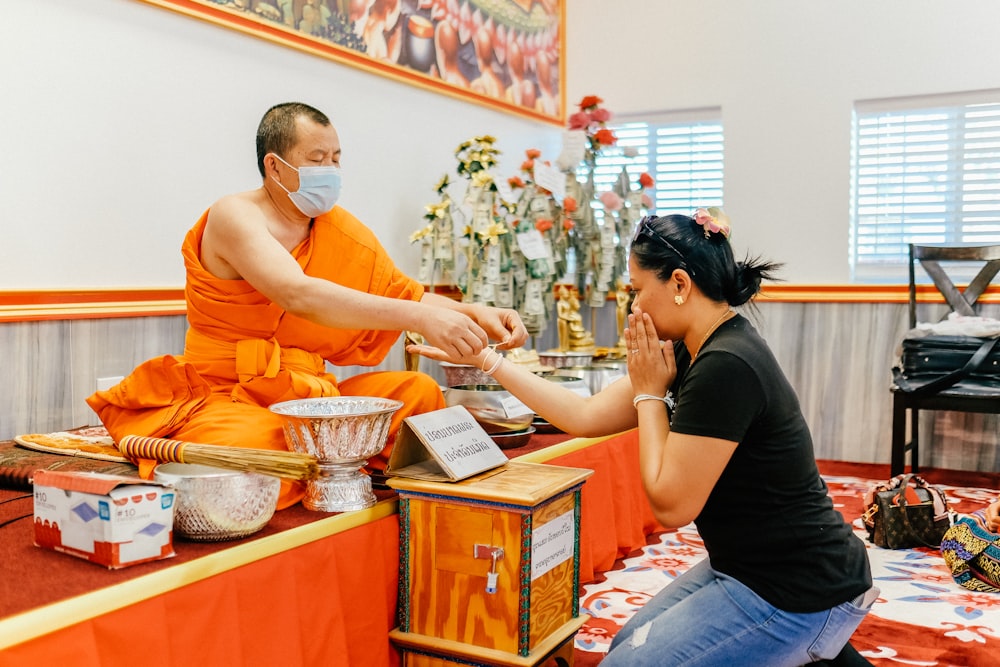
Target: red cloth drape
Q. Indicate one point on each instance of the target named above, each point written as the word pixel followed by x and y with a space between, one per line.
pixel 331 601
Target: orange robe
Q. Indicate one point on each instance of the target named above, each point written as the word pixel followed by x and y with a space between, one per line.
pixel 243 353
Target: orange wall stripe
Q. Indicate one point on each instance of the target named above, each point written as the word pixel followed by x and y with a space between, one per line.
pixel 859 294
pixel 66 304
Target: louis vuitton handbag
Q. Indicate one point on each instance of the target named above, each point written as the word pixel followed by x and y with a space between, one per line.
pixel 906 512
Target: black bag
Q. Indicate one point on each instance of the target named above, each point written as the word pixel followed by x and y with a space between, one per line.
pixel 961 364
pixel 893 522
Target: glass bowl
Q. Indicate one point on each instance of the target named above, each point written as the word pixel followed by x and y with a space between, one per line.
pixel 214 504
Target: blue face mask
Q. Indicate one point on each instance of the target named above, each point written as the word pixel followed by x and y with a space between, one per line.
pixel 319 189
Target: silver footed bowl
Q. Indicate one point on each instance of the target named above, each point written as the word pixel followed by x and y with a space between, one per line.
pixel 574 383
pixel 337 428
pixel 559 359
pixel 457 374
pixel 490 404
pixel 214 504
pixel 597 376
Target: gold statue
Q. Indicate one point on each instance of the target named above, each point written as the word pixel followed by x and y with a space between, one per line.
pixel 623 299
pixel 528 359
pixel 411 361
pixel 572 334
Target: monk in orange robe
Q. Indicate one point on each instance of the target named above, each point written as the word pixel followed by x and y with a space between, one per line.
pixel 278 282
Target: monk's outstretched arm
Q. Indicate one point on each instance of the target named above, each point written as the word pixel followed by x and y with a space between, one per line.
pixel 238 244
pixel 501 324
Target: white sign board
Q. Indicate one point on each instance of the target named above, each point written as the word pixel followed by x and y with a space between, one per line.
pixel 443 445
pixel 552 544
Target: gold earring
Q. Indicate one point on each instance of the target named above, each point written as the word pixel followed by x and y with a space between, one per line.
pixel 679 300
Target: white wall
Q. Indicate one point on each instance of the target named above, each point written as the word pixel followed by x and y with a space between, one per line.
pixel 123 122
pixel 786 74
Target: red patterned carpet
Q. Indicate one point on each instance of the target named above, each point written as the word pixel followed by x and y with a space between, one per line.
pixel 921 618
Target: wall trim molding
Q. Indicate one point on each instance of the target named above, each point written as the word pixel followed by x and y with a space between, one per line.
pixel 784 292
pixel 93 303
pixel 100 303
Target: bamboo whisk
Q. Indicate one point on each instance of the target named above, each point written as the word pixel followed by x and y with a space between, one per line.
pixel 290 465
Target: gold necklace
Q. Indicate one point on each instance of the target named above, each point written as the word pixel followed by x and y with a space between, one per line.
pixel 711 329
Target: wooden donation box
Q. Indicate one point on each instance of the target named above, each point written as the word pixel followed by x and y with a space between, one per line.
pixel 490 567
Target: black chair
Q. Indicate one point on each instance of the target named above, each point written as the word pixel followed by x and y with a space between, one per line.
pixel 934 259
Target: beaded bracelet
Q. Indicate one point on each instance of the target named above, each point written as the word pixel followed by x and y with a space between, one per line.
pixel 668 399
pixel 495 366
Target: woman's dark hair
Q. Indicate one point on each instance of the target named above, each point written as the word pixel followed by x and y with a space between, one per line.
pixel 276 132
pixel 663 244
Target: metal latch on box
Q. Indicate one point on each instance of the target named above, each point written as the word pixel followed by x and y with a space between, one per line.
pixel 494 554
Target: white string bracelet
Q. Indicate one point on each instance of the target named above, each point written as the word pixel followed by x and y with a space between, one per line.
pixel 668 399
pixel 495 366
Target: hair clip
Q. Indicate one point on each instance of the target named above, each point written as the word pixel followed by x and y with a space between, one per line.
pixel 713 219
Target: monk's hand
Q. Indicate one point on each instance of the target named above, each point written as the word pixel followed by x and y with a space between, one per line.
pixel 503 325
pixel 651 365
pixel 455 334
pixel 438 354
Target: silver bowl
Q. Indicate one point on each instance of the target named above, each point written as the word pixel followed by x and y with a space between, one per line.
pixel 513 439
pixel 214 504
pixel 574 383
pixel 342 432
pixel 597 376
pixel 337 428
pixel 457 374
pixel 558 359
pixel 489 404
pixel 620 364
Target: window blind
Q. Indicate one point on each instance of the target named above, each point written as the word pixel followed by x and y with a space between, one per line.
pixel 682 151
pixel 924 170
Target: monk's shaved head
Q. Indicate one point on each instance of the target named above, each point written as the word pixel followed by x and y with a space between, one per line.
pixel 276 132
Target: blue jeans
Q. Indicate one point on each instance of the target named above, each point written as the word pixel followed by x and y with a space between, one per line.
pixel 706 618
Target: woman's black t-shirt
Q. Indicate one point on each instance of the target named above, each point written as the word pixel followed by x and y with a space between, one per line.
pixel 768 522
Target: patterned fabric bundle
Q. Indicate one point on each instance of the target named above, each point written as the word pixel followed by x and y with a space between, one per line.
pixel 973 553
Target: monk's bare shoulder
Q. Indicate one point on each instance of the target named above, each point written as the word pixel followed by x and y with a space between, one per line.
pixel 231 220
pixel 238 209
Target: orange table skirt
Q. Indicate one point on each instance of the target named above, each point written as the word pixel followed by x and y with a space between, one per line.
pixel 320 594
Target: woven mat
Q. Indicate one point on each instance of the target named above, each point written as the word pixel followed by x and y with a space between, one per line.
pixel 18 464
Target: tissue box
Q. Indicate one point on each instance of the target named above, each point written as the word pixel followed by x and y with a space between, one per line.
pixel 112 520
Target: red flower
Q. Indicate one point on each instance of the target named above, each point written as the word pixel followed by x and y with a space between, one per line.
pixel 579 121
pixel 605 137
pixel 590 101
pixel 568 224
pixel 515 223
pixel 532 153
pixel 569 204
pixel 646 181
pixel 543 224
pixel 515 182
pixel 527 165
pixel 600 115
pixel 611 200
